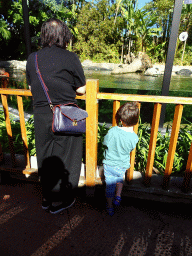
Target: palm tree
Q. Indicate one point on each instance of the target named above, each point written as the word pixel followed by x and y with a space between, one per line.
pixel 127 8
pixel 145 27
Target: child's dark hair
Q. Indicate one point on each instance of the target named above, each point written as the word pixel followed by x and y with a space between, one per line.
pixel 128 113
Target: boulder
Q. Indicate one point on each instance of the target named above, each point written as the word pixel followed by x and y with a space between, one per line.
pixel 184 72
pixel 152 72
pixel 135 66
pixel 15 64
pixel 146 61
pixel 89 65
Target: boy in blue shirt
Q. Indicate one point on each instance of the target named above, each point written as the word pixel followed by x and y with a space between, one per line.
pixel 120 141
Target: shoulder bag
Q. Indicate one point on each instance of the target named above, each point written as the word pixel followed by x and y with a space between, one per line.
pixel 67 118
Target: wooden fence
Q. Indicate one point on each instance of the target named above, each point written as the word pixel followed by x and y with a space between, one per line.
pixel 92 97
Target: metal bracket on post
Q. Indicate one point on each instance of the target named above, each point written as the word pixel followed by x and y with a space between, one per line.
pixel 170 55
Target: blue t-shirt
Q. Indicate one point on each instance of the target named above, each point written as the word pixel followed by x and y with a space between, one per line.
pixel 119 144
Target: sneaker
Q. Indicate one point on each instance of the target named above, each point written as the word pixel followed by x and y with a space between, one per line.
pixel 45 204
pixel 61 207
pixel 117 201
pixel 110 211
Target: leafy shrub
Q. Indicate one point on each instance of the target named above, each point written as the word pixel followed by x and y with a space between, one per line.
pixel 17 139
pixel 142 148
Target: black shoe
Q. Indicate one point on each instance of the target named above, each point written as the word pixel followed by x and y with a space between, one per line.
pixel 61 207
pixel 45 204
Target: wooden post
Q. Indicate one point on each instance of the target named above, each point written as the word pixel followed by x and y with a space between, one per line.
pixel 172 145
pixel 92 88
pixel 152 144
pixel 116 105
pixel 23 130
pixel 8 127
pixel 132 156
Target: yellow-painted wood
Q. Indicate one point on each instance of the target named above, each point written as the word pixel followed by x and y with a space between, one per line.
pixel 21 92
pixel 145 98
pixel 8 128
pixel 23 130
pixel 92 96
pixel 173 144
pixel 132 156
pixel 152 144
pixel 25 92
pixel 189 161
pixel 92 88
pixel 116 105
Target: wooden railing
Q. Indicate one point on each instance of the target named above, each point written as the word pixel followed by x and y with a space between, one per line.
pixel 92 97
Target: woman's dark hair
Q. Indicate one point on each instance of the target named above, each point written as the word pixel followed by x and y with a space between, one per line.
pixel 128 113
pixel 55 32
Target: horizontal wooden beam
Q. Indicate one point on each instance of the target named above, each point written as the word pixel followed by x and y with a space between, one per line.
pixel 145 98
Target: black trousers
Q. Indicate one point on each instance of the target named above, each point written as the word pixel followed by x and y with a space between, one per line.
pixel 59 159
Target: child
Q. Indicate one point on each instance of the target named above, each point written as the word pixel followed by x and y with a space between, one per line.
pixel 120 141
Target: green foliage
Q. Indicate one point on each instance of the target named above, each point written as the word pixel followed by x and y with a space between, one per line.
pixel 187 57
pixel 17 139
pixel 103 30
pixel 142 148
pixel 4 32
pixel 102 131
pixel 12 23
pixel 98 37
pixel 161 150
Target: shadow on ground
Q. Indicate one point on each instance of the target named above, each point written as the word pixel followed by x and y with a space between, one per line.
pixel 139 227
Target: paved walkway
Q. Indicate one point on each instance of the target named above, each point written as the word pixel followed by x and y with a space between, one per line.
pixel 139 227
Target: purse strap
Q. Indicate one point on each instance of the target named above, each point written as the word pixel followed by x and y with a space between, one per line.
pixel 45 89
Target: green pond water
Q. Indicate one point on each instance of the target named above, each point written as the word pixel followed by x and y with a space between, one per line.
pixel 136 81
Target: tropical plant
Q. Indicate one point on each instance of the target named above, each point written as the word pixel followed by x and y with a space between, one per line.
pixel 17 138
pixel 12 23
pixel 145 28
pixel 142 148
pixel 98 38
pixel 5 34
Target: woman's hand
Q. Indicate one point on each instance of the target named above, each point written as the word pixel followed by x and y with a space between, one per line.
pixel 81 90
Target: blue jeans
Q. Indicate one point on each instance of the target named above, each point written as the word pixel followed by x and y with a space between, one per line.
pixel 113 175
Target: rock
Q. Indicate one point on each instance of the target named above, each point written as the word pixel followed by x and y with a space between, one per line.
pixel 135 66
pixel 139 64
pixel 87 63
pixel 15 64
pixel 128 59
pixel 146 61
pixel 184 72
pixel 152 72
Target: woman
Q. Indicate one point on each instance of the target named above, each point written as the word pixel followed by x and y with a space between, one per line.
pixel 58 156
